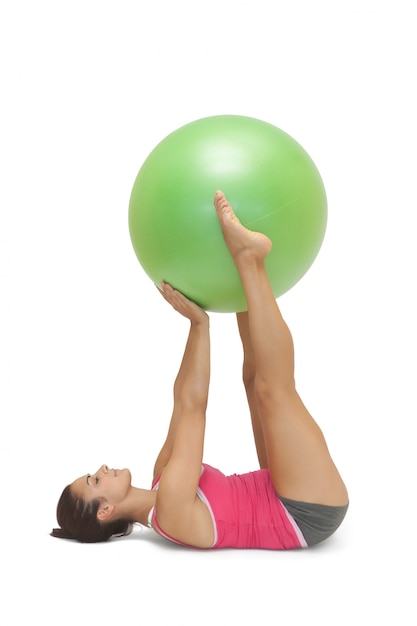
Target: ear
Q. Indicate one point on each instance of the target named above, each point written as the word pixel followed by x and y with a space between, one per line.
pixel 105 512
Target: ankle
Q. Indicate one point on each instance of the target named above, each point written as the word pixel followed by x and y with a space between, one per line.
pixel 248 262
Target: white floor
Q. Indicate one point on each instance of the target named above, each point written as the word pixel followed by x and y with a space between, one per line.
pixel 348 580
pixel 88 350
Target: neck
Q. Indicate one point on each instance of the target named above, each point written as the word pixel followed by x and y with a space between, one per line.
pixel 140 502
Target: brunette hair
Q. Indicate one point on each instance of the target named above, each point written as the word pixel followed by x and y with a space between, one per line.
pixel 77 519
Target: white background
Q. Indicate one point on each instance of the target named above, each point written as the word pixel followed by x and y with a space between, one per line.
pixel 88 349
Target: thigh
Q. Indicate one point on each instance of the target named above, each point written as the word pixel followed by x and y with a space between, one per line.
pixel 298 457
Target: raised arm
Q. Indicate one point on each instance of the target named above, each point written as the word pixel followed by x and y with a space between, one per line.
pixel 191 383
pixel 184 385
pixel 180 513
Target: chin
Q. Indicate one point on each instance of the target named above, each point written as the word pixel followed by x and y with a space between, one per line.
pixel 128 474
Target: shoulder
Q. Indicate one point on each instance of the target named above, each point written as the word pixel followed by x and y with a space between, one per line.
pixel 191 525
pixel 180 514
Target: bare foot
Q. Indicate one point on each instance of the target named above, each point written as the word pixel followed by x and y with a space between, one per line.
pixel 240 240
pixel 183 305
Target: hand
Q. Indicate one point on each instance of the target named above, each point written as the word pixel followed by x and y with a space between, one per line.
pixel 183 305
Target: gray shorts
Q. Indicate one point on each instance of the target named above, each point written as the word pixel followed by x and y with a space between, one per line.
pixel 316 521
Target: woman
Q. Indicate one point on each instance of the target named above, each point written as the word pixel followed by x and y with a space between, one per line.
pixel 296 499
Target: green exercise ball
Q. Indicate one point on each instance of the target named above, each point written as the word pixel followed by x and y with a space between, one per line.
pixel 272 184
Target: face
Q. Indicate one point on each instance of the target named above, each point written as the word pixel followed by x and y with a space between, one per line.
pixel 110 485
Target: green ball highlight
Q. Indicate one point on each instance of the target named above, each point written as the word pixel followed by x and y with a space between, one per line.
pixel 270 181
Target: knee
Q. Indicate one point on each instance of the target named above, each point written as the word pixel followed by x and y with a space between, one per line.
pixel 248 374
pixel 263 391
pixel 270 393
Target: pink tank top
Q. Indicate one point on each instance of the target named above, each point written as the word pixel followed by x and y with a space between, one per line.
pixel 245 510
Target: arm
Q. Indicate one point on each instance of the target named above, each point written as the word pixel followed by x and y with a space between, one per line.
pixel 166 450
pixel 179 511
pixel 191 381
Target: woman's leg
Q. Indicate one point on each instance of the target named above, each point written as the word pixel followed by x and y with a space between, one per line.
pixel 298 458
pixel 249 371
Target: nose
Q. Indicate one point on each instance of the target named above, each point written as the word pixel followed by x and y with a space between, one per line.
pixel 103 469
